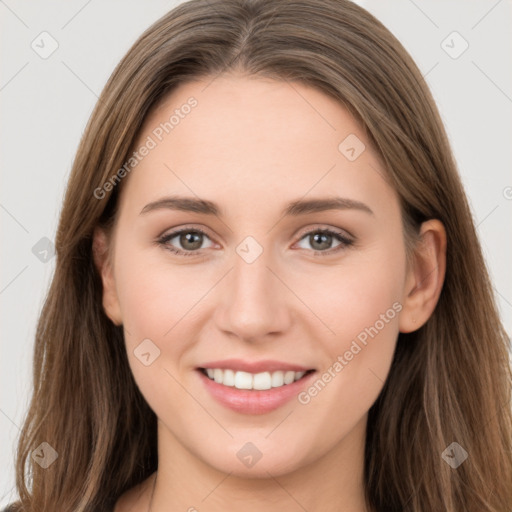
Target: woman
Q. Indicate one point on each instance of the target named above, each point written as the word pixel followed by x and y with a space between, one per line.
pixel 269 293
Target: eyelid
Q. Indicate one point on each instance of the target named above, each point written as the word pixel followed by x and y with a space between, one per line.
pixel 324 227
pixel 172 232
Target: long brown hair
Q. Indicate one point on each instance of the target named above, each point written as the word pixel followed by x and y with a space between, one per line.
pixel 450 381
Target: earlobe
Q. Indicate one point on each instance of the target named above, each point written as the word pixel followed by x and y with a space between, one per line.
pixel 425 278
pixel 100 250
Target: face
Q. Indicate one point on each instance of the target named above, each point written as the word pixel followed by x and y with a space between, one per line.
pixel 258 287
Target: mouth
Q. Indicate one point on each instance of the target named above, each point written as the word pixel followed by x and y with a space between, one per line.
pixel 254 381
pixel 267 387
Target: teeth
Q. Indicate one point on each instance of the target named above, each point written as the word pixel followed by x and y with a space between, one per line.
pixel 289 377
pixel 243 380
pixel 228 379
pixel 262 381
pixel 257 381
pixel 277 379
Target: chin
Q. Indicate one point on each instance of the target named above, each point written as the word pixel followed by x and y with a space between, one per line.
pixel 251 459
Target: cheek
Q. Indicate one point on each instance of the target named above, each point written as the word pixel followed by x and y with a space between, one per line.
pixel 156 303
pixel 360 304
pixel 154 297
pixel 153 292
pixel 354 295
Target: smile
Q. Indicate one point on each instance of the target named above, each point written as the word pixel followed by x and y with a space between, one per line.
pixel 253 381
pixel 259 391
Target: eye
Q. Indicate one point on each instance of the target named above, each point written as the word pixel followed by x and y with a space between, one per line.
pixel 322 239
pixel 190 239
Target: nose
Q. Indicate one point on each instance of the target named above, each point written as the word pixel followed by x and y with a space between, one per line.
pixel 254 301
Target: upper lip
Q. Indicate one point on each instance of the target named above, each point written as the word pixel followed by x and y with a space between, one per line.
pixel 254 366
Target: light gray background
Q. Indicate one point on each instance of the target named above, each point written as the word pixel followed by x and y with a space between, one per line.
pixel 46 103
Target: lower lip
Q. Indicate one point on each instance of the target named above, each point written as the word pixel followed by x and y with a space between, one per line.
pixel 248 401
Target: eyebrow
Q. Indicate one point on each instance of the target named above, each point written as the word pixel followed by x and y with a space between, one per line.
pixel 294 208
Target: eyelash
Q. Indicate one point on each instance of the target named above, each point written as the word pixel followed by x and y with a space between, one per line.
pixel 344 241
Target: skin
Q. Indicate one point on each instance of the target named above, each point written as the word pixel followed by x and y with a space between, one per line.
pixel 252 145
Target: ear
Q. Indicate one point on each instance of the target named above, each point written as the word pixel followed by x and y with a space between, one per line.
pixel 102 261
pixel 424 280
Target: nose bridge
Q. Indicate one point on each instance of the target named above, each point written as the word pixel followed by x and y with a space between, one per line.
pixel 252 280
pixel 254 303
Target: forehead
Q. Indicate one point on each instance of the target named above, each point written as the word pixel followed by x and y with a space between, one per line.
pixel 237 114
pixel 231 137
